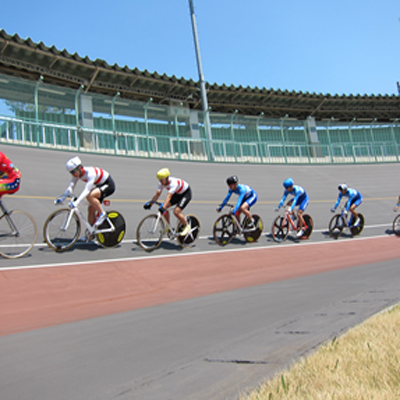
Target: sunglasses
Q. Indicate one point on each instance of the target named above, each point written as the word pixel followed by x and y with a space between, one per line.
pixel 74 170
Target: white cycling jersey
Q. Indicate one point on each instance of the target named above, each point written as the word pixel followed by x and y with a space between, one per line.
pixel 174 185
pixel 93 177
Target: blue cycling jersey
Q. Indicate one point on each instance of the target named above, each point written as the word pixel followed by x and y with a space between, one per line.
pixel 353 195
pixel 299 194
pixel 244 192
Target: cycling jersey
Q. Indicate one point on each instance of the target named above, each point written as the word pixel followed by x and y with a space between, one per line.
pixel 9 176
pixel 7 169
pixel 300 198
pixel 94 177
pixel 174 186
pixel 354 198
pixel 245 193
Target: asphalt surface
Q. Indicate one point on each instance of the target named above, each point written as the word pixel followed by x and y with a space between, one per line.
pixel 211 347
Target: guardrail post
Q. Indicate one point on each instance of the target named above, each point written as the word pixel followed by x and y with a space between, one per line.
pixel 283 138
pixel 177 130
pixel 233 135
pixel 146 124
pixel 259 136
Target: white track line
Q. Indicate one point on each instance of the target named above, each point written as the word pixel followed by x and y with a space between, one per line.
pixel 139 258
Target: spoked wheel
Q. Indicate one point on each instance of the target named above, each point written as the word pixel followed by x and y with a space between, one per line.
pixel 254 235
pixel 18 233
pixel 112 239
pixel 336 225
pixel 396 225
pixel 190 239
pixel 61 229
pixel 310 225
pixel 224 228
pixel 356 230
pixel 150 232
pixel 280 229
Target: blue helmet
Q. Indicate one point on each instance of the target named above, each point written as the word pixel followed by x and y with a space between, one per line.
pixel 288 183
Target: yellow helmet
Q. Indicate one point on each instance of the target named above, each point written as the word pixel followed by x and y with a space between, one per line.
pixel 163 173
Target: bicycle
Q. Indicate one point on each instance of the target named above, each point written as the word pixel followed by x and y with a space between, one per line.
pixel 283 224
pixel 339 222
pixel 18 232
pixel 63 227
pixel 151 230
pixel 227 226
pixel 396 225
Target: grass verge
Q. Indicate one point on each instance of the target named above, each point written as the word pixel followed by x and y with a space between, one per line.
pixel 364 363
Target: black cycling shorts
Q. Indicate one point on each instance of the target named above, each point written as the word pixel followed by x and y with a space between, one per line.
pixel 182 200
pixel 107 188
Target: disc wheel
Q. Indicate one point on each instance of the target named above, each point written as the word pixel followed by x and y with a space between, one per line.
pixel 280 229
pixel 356 230
pixel 396 226
pixel 60 234
pixel 224 228
pixel 150 232
pixel 112 239
pixel 310 225
pixel 336 225
pixel 190 239
pixel 18 233
pixel 255 234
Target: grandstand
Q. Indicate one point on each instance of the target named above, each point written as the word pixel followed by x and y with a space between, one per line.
pixel 59 100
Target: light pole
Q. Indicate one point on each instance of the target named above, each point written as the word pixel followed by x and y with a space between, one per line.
pixel 203 92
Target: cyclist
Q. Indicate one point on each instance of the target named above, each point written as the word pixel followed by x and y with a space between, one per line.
pixel 10 176
pixel 355 199
pixel 98 185
pixel 247 198
pixel 300 199
pixel 179 193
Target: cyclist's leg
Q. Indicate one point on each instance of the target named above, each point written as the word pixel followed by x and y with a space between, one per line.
pixel 96 197
pixel 181 202
pixel 354 204
pixel 245 207
pixel 302 207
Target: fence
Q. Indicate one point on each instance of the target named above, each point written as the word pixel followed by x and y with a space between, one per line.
pixel 50 135
pixel 56 117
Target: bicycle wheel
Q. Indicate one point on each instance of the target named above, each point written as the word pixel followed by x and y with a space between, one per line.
pixel 190 239
pixel 279 229
pixel 112 239
pixel 356 230
pixel 150 232
pixel 18 233
pixel 255 234
pixel 61 229
pixel 396 225
pixel 336 225
pixel 310 225
pixel 224 229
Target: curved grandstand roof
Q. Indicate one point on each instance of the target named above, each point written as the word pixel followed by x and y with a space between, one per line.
pixel 29 60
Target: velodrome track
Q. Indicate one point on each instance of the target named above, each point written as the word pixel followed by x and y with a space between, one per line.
pixel 200 323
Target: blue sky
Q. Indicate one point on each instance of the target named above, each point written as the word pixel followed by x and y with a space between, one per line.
pixel 317 46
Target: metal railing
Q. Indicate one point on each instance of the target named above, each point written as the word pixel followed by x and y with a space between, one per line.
pixel 47 135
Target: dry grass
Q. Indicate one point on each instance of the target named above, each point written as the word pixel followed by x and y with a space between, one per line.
pixel 363 364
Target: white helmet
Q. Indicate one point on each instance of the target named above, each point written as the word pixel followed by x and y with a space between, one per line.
pixel 342 186
pixel 73 163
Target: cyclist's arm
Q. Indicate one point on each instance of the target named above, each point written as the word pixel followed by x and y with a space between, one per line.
pixel 285 194
pixel 70 188
pixel 228 196
pixel 338 200
pixel 156 195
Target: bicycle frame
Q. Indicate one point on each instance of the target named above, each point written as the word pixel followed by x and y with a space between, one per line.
pixel 238 225
pixel 287 217
pixel 161 216
pixel 6 214
pixel 92 229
